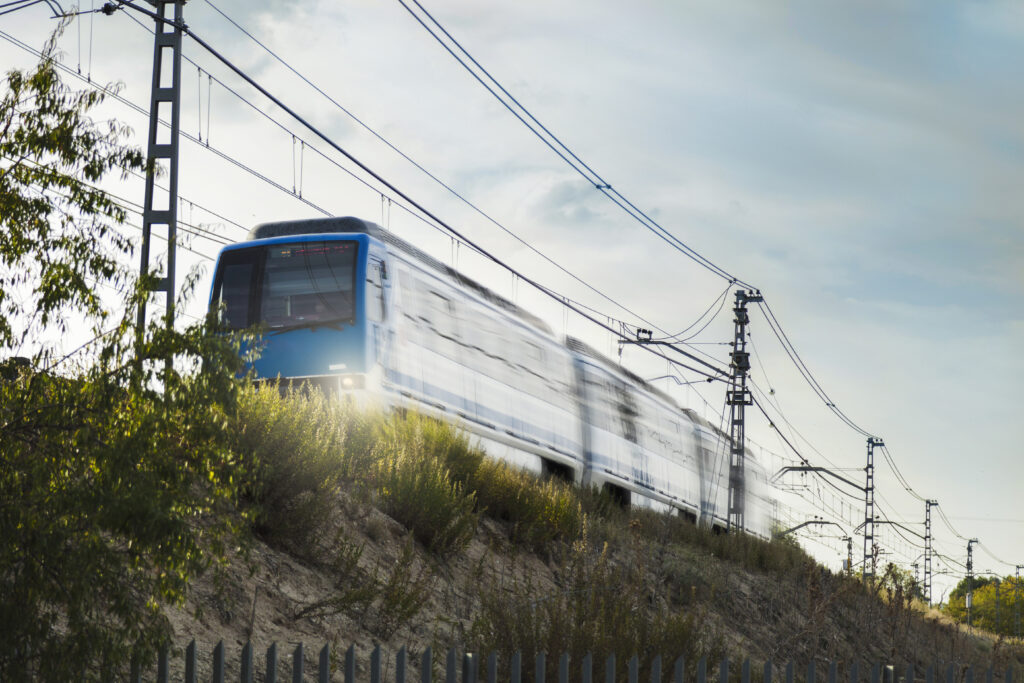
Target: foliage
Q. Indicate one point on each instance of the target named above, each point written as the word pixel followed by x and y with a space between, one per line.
pixel 117 478
pixel 599 607
pixel 58 234
pixel 996 604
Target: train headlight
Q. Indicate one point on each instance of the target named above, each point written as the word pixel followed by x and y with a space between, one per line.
pixel 352 382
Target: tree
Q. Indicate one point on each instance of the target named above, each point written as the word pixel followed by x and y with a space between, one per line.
pixel 116 476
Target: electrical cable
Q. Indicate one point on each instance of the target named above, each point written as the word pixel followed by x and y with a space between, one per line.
pixel 431 175
pixel 582 169
pixel 419 207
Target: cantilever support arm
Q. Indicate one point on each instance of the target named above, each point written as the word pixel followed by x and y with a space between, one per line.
pixel 824 470
pixel 820 522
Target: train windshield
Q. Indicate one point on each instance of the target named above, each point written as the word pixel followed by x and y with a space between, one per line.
pixel 283 286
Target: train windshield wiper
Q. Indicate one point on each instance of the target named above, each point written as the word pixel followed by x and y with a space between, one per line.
pixel 333 323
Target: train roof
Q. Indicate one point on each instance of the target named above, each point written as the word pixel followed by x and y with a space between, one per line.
pixel 351 224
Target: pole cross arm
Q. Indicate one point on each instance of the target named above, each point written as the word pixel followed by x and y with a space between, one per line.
pixel 808 468
pixel 819 522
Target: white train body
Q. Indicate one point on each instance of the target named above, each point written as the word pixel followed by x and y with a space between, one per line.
pixel 424 337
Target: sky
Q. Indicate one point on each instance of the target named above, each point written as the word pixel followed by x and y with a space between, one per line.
pixel 860 164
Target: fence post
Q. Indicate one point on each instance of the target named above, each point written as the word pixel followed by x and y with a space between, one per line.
pixel 723 671
pixel 246 674
pixel 162 674
pixel 745 671
pixel 989 673
pixel 375 664
pixel 324 675
pixel 468 668
pixel 350 664
pixel 563 668
pixel 400 664
pixel 1009 674
pixel 855 672
pixel 656 669
pixel 190 662
pixel 218 662
pixel 767 672
pixel 297 664
pixel 450 676
pixel 426 666
pixel 929 674
pixel 587 668
pixel 969 676
pixel 516 668
pixel 910 673
pixel 949 674
pixel 876 673
pixel 540 666
pixel 702 670
pixel 789 671
pixel 272 663
pixel 634 670
pixel 492 668
pixel 678 669
pixel 609 669
pixel 136 669
pixel 833 672
pixel 810 671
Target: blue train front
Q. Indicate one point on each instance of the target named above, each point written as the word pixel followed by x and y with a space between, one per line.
pixel 345 305
pixel 319 290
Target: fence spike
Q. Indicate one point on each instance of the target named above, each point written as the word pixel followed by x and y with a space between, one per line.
pixel 297 664
pixel 375 664
pixel 811 672
pixel 426 665
pixel 492 668
pixel 350 664
pixel 609 669
pixel 563 668
pixel 789 672
pixel 833 672
pixel 929 674
pixel 272 663
pixel 1009 674
pixel 190 662
pixel 723 671
pixel 745 671
pixel 468 665
pixel 910 673
pixel 400 664
pixel 587 668
pixel 634 669
pixel 656 669
pixel 702 670
pixel 247 672
pixel 949 674
pixel 988 675
pixel 876 673
pixel 162 674
pixel 218 662
pixel 768 672
pixel 516 667
pixel 855 671
pixel 678 669
pixel 540 667
pixel 324 674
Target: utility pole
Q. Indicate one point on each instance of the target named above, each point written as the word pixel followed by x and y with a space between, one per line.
pixel 869 509
pixel 1016 600
pixel 928 549
pixel 970 577
pixel 738 397
pixel 165 98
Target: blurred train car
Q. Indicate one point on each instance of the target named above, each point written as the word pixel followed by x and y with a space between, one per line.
pixel 347 306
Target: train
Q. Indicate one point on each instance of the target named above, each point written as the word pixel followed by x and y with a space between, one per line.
pixel 347 306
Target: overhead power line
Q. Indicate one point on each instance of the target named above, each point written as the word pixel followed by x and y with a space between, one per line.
pixel 559 148
pixel 721 375
pixel 420 167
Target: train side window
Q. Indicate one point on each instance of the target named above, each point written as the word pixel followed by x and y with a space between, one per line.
pixel 374 291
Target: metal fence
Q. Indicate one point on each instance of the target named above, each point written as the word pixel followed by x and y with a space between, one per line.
pixel 473 668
